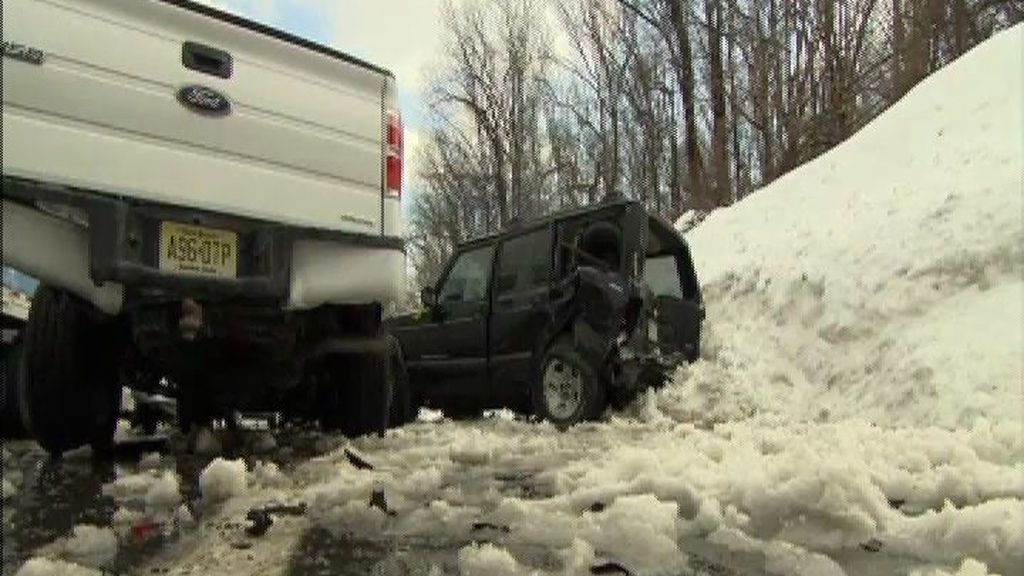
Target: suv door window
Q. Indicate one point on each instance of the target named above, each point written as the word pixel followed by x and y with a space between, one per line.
pixel 662 276
pixel 465 288
pixel 524 262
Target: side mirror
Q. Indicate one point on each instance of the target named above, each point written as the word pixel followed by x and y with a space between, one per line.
pixel 428 298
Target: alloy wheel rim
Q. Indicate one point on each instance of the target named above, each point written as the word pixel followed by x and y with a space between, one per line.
pixel 563 388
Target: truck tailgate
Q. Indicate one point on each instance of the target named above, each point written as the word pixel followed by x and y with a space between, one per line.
pixel 302 143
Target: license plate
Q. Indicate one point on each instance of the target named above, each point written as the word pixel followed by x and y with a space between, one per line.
pixel 198 250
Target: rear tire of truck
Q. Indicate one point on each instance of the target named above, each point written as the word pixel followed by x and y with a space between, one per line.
pixel 353 395
pixel 567 390
pixel 69 387
pixel 10 410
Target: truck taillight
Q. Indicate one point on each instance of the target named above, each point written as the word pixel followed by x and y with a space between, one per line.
pixel 394 158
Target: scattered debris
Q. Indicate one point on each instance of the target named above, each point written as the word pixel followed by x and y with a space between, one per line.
pixel 356 460
pixel 261 518
pixel 286 509
pixel 597 507
pixel 477 526
pixel 145 529
pixel 261 522
pixel 377 500
pixel 872 545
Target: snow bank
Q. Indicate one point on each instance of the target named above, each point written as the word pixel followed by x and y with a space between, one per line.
pixel 223 479
pixel 882 280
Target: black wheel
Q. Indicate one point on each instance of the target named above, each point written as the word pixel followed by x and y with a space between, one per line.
pixel 354 394
pixel 9 409
pixel 463 411
pixel 70 389
pixel 567 390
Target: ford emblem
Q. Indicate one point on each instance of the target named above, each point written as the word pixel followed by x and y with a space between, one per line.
pixel 204 100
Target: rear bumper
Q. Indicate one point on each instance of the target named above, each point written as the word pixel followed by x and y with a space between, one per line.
pixel 113 261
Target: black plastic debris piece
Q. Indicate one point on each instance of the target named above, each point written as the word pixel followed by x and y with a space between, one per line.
pixel 872 545
pixel 896 503
pixel 610 568
pixel 286 509
pixel 261 518
pixel 377 500
pixel 597 507
pixel 357 460
pixel 261 521
pixel 477 526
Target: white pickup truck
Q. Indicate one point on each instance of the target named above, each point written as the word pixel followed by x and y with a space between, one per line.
pixel 205 200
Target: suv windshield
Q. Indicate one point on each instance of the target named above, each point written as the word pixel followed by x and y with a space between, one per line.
pixel 662 276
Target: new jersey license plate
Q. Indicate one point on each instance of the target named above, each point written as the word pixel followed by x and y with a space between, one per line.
pixel 198 250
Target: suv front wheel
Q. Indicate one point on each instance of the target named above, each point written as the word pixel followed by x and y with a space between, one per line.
pixel 567 389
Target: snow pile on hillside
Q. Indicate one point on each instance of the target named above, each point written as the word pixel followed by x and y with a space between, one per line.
pixel 883 280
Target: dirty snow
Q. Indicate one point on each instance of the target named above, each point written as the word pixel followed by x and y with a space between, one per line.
pixel 91 546
pixel 223 479
pixel 49 567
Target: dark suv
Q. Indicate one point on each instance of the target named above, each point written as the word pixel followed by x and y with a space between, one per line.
pixel 560 317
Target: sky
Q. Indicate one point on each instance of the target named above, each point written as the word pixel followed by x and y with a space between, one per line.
pixel 403 36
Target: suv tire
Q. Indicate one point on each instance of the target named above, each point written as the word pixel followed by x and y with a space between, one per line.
pixel 567 389
pixel 69 386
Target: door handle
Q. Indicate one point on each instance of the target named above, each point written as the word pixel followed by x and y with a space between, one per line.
pixel 206 59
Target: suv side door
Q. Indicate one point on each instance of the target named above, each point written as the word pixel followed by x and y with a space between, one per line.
pixel 519 312
pixel 447 351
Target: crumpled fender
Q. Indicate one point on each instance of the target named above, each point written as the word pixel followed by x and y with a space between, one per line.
pixel 592 312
